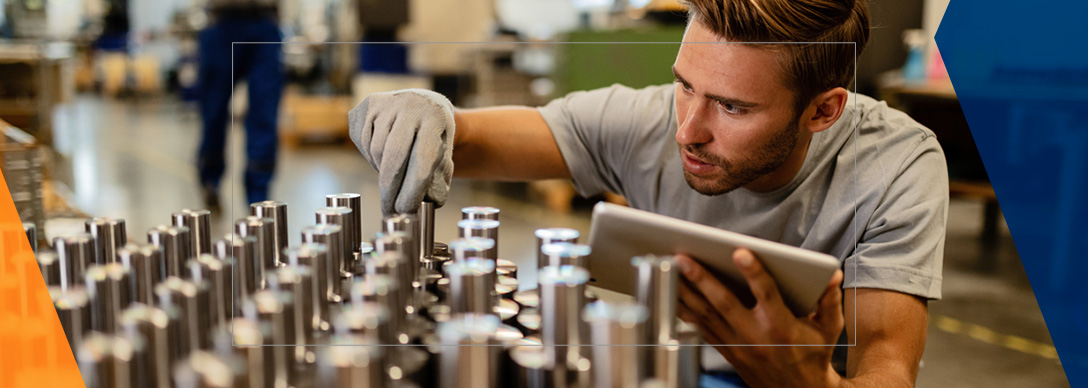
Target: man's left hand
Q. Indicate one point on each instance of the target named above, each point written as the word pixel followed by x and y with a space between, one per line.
pixel 722 319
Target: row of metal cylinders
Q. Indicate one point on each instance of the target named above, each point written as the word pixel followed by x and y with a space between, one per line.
pixel 171 320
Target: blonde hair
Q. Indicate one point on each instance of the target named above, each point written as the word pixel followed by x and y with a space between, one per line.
pixel 811 68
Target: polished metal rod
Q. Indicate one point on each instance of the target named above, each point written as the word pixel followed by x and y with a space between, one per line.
pixel 354 227
pixel 615 332
pixel 109 234
pixel 199 224
pixel 277 212
pixel 243 251
pixel 549 236
pixel 175 242
pixel 146 268
pixel 481 228
pixel 76 252
pixel 331 237
pixel 264 230
pixel 469 358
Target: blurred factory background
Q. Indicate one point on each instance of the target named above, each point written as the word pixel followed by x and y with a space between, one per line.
pixel 99 101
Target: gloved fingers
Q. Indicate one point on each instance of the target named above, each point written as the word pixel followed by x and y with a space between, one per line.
pixel 440 184
pixel 426 157
pixel 396 159
pixel 385 129
pixel 359 128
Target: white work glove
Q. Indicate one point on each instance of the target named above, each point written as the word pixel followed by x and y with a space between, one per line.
pixel 407 135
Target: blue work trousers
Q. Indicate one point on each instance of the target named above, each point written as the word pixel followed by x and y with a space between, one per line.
pixel 261 65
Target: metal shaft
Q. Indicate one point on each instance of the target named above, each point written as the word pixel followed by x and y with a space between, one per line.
pixel 76 252
pixel 175 242
pixel 277 212
pixel 368 319
pixel 50 267
pixel 342 217
pixel 331 237
pixel 214 274
pixel 549 236
pixel 110 292
pixel 563 253
pixel 657 282
pixel 31 235
pixel 426 227
pixel 384 291
pixel 297 282
pixel 151 327
pixel 264 230
pixel 243 251
pixel 145 266
pixel 468 358
pixel 409 225
pixel 74 312
pixel 480 213
pixel 472 286
pixel 315 258
pixel 271 308
pixel 616 332
pixel 481 228
pixel 109 234
pixel 191 305
pixel 391 258
pixel 354 229
pixel 105 361
pixel 257 360
pixel 562 299
pixel 199 224
pixel 464 248
pixel 352 363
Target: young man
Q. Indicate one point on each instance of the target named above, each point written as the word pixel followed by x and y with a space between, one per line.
pixel 756 139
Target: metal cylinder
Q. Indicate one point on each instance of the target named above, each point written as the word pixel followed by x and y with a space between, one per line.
pixel 463 248
pixel 562 300
pixel 392 264
pixel 315 258
pixel 426 230
pixel 563 253
pixel 191 304
pixel 109 234
pixel 549 236
pixel 384 291
pixel 409 225
pixel 469 358
pixel 73 306
pixel 145 266
pixel 152 327
pixel 243 251
pixel 352 362
pixel 616 332
pixel 272 309
pixel 206 370
pixel 331 236
pixel 214 274
pixel 297 282
pixel 110 292
pixel 105 361
pixel 367 319
pixel 50 267
pixel 258 361
pixel 472 286
pixel 264 230
pixel 354 228
pixel 481 228
pixel 174 241
pixel 31 235
pixel 199 223
pixel 391 257
pixel 76 252
pixel 342 217
pixel 657 282
pixel 479 213
pixel 277 212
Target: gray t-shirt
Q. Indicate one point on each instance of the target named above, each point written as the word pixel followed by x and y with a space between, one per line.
pixel 892 171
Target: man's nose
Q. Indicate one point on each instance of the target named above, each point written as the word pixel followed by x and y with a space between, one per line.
pixel 692 129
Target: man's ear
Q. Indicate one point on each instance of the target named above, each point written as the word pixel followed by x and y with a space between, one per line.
pixel 824 110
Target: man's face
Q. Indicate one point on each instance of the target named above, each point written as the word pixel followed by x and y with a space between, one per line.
pixel 736 116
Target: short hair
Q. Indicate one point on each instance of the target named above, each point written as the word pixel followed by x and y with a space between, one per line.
pixel 810 69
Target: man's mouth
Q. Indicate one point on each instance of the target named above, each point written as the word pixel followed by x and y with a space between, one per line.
pixel 694 165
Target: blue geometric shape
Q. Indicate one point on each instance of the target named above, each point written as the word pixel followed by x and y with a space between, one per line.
pixel 1020 70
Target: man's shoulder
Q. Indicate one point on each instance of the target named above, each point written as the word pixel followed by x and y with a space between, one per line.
pixel 877 121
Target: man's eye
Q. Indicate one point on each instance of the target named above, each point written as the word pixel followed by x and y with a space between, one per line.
pixel 731 109
pixel 685 86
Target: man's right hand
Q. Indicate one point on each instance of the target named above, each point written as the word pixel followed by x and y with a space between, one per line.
pixel 407 135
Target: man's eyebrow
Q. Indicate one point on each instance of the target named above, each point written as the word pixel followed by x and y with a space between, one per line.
pixel 719 99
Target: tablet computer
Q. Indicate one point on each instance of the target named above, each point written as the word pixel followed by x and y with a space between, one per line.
pixel 619 233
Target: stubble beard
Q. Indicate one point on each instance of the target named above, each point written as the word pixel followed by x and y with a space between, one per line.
pixel 770 157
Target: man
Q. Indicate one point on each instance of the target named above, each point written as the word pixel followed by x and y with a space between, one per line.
pixel 756 139
pixel 221 62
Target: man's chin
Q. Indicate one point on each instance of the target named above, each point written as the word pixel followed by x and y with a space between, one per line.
pixel 708 187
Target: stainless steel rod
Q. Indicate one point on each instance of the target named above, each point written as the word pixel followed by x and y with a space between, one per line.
pixel 264 230
pixel 109 234
pixel 175 242
pixel 199 224
pixel 243 251
pixel 277 212
pixel 109 288
pixel 354 227
pixel 331 237
pixel 146 268
pixel 481 228
pixel 214 274
pixel 76 252
pixel 549 236
pixel 616 330
pixel 480 213
pixel 469 358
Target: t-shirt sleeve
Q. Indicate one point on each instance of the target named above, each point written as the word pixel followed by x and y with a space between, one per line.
pixel 902 245
pixel 598 130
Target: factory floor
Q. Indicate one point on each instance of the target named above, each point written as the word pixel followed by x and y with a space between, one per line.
pixel 133 159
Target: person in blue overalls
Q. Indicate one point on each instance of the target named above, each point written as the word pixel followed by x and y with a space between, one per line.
pixel 224 61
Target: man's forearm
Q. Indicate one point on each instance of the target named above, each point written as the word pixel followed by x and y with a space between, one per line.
pixel 505 143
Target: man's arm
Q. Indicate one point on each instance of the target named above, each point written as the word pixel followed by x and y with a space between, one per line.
pixel 890 337
pixel 505 143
